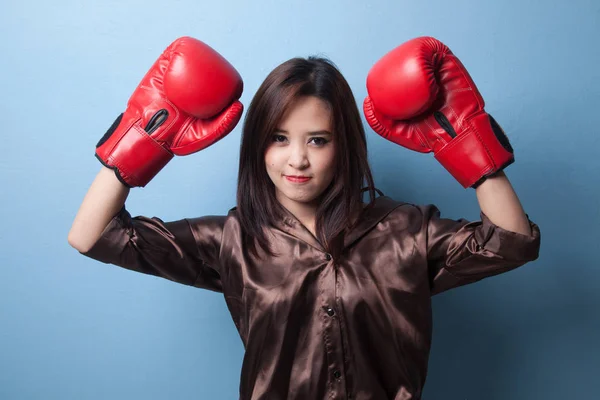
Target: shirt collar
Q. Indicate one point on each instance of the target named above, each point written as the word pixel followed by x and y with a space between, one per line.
pixel 369 218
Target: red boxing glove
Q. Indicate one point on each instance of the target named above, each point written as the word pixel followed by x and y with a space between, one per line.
pixel 420 96
pixel 186 102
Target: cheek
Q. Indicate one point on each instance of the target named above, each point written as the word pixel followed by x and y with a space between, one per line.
pixel 271 162
pixel 327 162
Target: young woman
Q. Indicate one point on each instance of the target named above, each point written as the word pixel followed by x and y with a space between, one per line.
pixel 331 295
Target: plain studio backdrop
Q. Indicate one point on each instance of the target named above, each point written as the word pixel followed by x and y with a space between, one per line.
pixel 74 328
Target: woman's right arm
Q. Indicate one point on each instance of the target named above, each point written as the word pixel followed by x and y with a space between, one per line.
pixel 161 113
pixel 105 197
pixel 184 251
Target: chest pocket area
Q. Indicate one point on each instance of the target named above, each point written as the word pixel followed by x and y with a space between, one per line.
pixel 267 272
pixel 391 262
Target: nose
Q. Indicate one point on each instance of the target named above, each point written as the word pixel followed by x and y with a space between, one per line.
pixel 298 157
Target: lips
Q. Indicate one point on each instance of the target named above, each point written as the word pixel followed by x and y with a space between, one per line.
pixel 297 178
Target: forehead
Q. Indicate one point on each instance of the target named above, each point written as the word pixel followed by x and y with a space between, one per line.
pixel 307 113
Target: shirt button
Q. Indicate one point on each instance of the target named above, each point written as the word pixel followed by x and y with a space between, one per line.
pixel 337 374
pixel 328 257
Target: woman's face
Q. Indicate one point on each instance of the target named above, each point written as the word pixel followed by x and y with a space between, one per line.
pixel 300 156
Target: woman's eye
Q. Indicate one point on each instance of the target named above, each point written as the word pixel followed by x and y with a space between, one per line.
pixel 278 138
pixel 319 141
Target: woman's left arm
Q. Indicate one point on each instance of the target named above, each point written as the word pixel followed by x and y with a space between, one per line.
pixel 498 200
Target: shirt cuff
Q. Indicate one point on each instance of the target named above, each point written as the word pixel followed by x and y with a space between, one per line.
pixel 510 245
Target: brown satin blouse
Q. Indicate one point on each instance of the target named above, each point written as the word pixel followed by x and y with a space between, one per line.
pixel 358 327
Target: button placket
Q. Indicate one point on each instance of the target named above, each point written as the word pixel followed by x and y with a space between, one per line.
pixel 331 330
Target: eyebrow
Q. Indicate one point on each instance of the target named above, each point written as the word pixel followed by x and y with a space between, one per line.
pixel 321 132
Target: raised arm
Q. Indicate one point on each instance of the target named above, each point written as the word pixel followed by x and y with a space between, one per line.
pixel 103 200
pixel 498 200
pixel 187 101
pixel 421 97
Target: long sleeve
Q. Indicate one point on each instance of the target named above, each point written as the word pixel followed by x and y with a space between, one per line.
pixel 461 252
pixel 184 251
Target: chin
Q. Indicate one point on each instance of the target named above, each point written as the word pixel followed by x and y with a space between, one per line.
pixel 299 198
pixel 302 199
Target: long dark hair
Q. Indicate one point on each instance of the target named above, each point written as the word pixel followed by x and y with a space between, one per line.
pixel 257 205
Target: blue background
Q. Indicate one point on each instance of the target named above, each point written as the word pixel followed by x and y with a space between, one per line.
pixel 74 328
